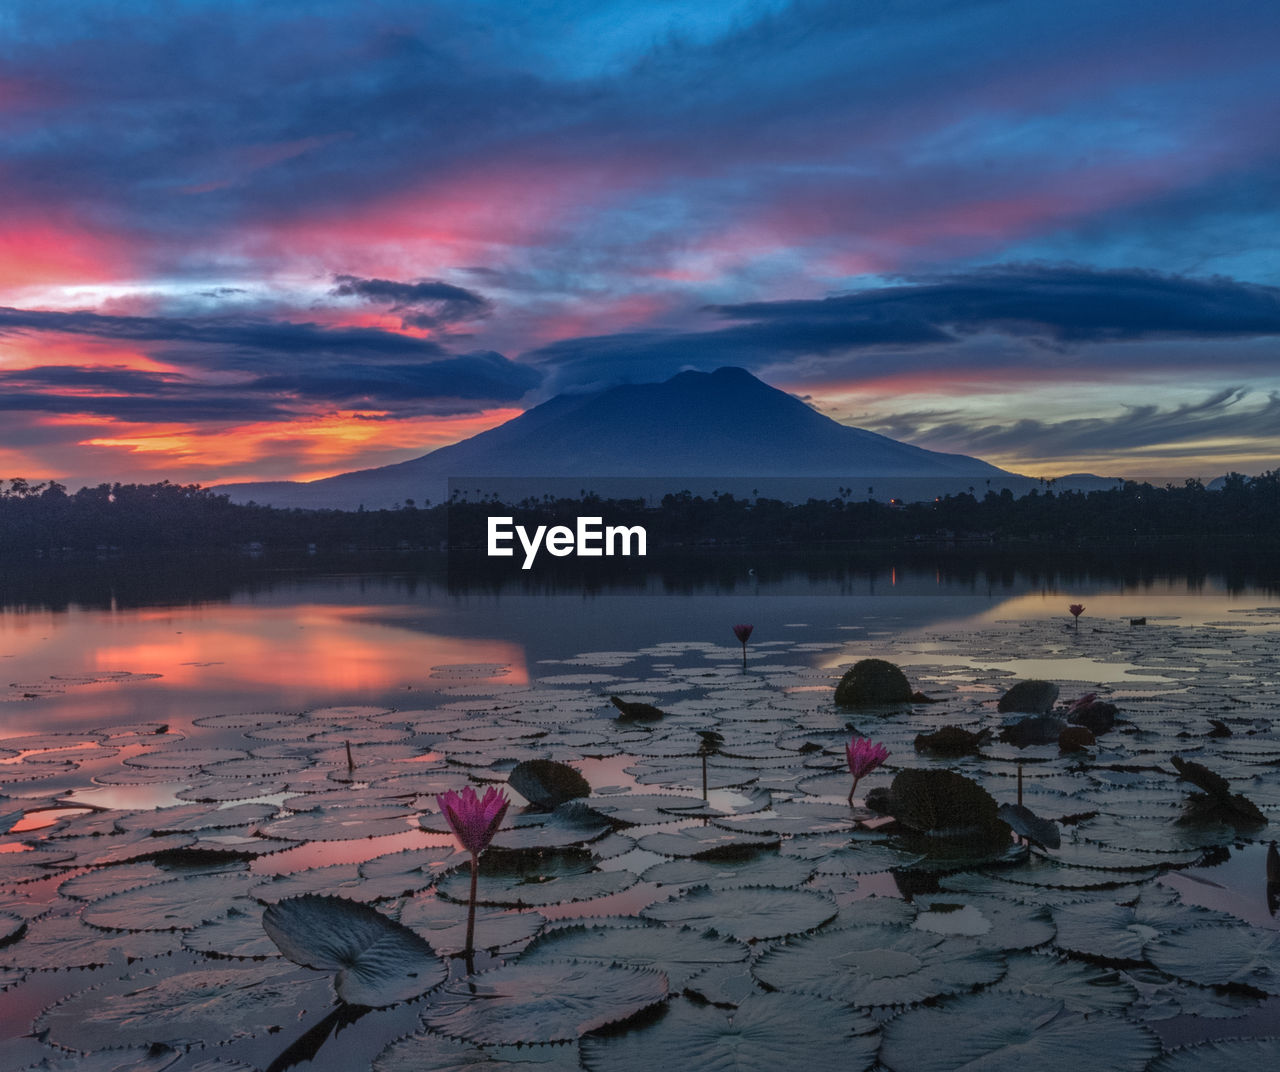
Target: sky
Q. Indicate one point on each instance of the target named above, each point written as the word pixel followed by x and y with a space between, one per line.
pixel 244 240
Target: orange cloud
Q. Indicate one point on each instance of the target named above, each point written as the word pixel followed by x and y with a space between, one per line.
pixel 318 446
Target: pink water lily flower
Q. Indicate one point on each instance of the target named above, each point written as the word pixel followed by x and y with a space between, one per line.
pixel 1076 610
pixel 864 755
pixel 474 820
pixel 743 633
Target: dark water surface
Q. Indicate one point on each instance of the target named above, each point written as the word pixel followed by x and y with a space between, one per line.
pixel 133 682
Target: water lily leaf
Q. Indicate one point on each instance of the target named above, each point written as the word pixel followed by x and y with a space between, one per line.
pixel 1001 1032
pixel 759 869
pixel 1080 987
pixel 204 1007
pixel 171 759
pixel 187 818
pixel 130 1060
pixel 166 906
pixel 1220 1055
pixel 545 783
pixel 839 854
pixel 646 809
pixel 765 1033
pixel 794 817
pixel 705 841
pixel 431 862
pixel 338 880
pixel 1041 871
pixel 93 885
pixel 340 824
pixel 238 934
pixel 570 824
pixel 11 927
pixel 64 941
pixel 122 848
pixel 516 880
pixel 992 922
pixel 540 1003
pixel 679 953
pixel 378 962
pixel 1028 824
pixel 1221 956
pixel 1162 997
pixel 746 912
pixel 1123 932
pixel 429 1052
pixel 444 925
pixel 878 965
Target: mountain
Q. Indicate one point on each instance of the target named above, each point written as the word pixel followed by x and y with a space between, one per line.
pixel 725 423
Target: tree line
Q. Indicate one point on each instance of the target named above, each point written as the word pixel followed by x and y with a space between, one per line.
pixel 45 518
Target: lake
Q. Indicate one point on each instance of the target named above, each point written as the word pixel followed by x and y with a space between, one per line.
pixel 293 722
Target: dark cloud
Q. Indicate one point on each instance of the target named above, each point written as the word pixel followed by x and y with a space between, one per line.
pixel 229 341
pixel 427 303
pixel 1052 304
pixel 487 377
pixel 305 366
pixel 918 326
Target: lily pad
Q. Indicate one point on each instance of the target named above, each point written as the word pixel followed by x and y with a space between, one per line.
pixel 766 1032
pixel 195 1008
pixel 705 841
pixel 444 925
pixel 515 879
pixel 536 1003
pixel 546 783
pixel 1221 956
pixel 1220 1055
pixel 746 912
pixel 429 1052
pixel 63 941
pixel 878 965
pixel 1123 932
pixel 759 869
pixel 678 952
pixel 166 906
pixel 1081 987
pixel 237 934
pixel 378 962
pixel 1001 1032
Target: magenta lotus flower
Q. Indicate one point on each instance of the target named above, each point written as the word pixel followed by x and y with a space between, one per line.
pixel 743 633
pixel 474 820
pixel 865 755
pixel 1076 610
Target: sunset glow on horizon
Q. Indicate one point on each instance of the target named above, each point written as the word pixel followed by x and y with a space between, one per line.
pixel 288 241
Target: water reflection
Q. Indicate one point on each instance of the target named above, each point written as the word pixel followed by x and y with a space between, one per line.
pixel 92 646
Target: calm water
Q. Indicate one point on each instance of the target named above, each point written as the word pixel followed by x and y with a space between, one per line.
pixel 97 653
pixel 99 649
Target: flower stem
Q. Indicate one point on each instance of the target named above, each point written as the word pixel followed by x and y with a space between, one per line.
pixel 851 792
pixel 471 914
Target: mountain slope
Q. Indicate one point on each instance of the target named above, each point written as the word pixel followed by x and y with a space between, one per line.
pixel 724 423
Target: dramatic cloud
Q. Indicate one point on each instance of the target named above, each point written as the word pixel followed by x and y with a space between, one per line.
pixel 353 208
pixel 427 303
pixel 913 328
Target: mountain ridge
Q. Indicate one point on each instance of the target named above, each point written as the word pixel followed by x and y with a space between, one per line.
pixel 725 423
